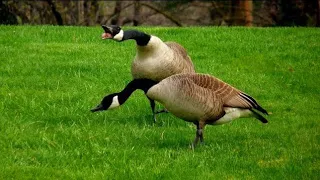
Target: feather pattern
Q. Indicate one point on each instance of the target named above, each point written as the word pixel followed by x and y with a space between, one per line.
pixel 200 96
pixel 158 60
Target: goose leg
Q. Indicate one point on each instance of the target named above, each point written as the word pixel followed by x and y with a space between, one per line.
pixel 199 134
pixel 152 105
pixel 164 110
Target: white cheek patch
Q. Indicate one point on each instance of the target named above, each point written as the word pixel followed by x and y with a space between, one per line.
pixel 119 36
pixel 115 103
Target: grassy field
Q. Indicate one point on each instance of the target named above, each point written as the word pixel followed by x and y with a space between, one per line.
pixel 50 77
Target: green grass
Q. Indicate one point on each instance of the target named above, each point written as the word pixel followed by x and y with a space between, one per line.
pixel 50 77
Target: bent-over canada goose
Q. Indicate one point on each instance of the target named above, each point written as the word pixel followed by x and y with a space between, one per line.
pixel 198 98
pixel 154 59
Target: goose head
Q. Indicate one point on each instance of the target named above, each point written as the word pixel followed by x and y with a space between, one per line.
pixel 112 32
pixel 108 102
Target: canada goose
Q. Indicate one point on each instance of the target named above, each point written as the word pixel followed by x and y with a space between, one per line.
pixel 154 59
pixel 198 98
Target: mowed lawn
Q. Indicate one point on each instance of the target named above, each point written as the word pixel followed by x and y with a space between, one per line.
pixel 50 77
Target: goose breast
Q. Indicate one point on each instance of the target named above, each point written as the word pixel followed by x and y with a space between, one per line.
pixel 159 60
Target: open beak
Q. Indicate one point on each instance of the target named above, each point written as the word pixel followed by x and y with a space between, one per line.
pixel 98 108
pixel 107 32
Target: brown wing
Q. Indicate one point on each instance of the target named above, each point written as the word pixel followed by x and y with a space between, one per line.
pixel 182 54
pixel 230 96
pixel 202 99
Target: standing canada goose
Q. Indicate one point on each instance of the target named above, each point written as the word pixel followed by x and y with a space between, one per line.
pixel 154 59
pixel 198 98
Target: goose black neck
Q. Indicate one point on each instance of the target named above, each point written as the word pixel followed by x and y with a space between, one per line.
pixel 141 38
pixel 143 84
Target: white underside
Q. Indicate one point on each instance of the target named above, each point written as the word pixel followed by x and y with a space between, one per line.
pixel 232 114
pixel 115 103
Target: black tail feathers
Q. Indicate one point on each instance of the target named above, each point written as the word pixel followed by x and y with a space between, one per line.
pixel 258 116
pixel 253 103
pixel 259 108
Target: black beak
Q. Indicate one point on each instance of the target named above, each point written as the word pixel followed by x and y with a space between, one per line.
pixel 98 108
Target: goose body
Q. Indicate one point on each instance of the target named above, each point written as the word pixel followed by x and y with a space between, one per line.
pixel 158 60
pixel 198 98
pixel 154 59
